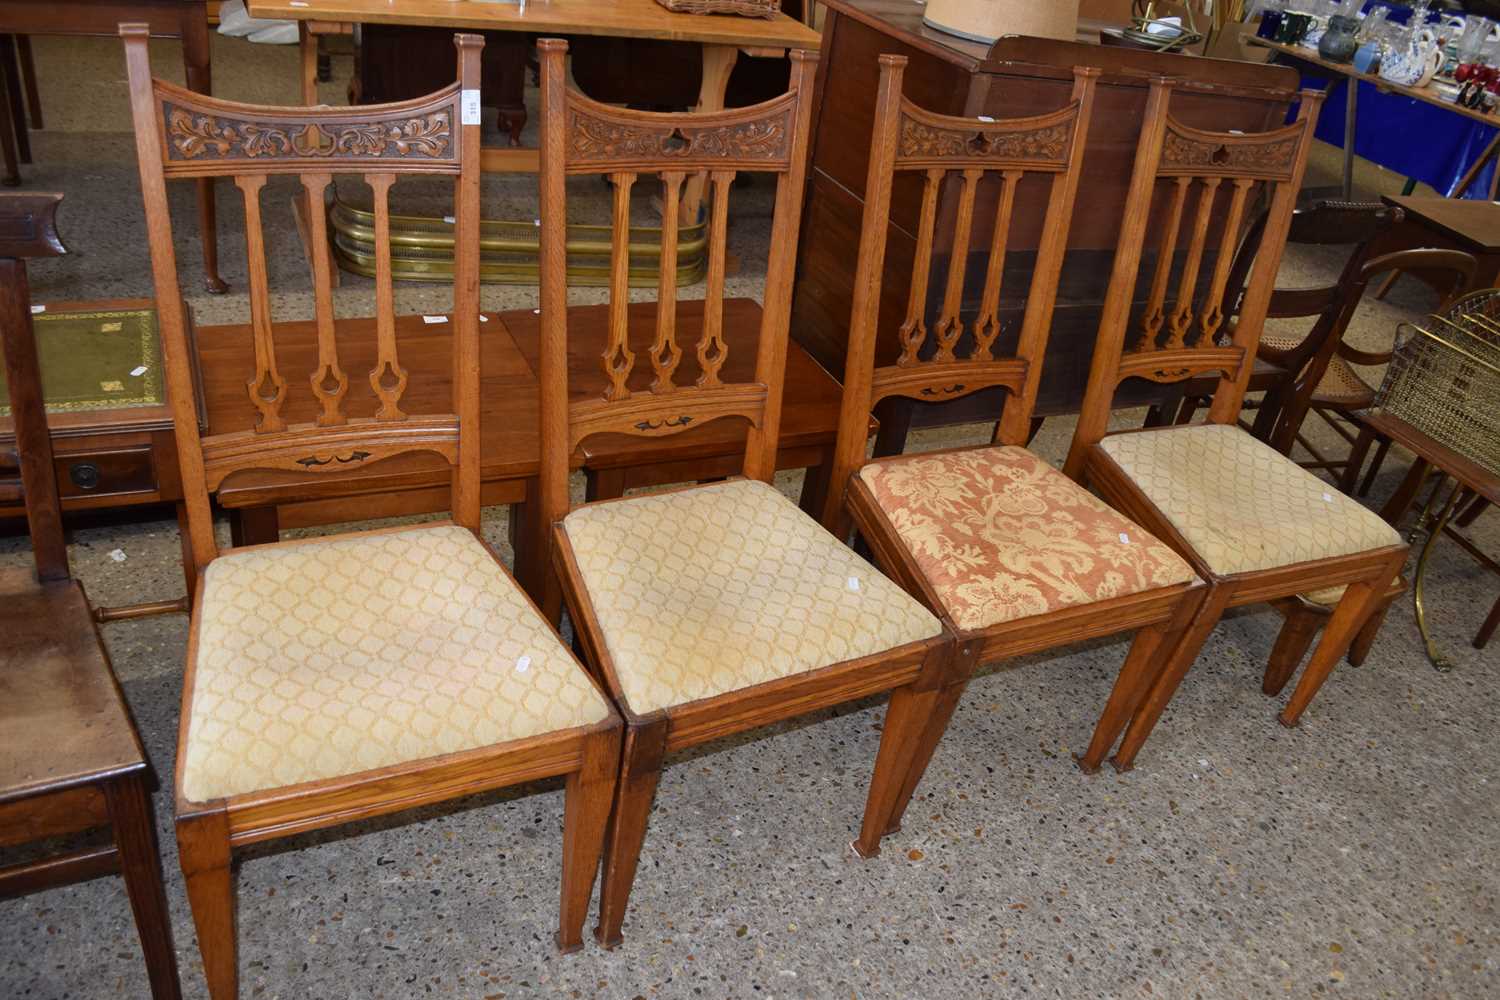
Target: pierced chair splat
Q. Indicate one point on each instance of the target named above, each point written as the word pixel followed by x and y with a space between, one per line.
pixel 714 609
pixel 1252 523
pixel 1014 556
pixel 332 679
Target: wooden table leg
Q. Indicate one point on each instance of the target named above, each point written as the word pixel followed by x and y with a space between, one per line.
pixel 12 176
pixel 140 864
pixel 528 541
pixel 195 59
pixel 1351 104
pixel 718 63
pixel 28 81
pixel 603 484
pixel 15 101
pixel 815 482
pixel 253 526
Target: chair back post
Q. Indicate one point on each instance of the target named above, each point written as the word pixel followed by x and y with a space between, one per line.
pixel 859 362
pixel 28 228
pixel 170 308
pixel 776 300
pixel 556 447
pixel 1167 348
pixel 183 134
pixel 1230 395
pixel 466 365
pixel 1114 316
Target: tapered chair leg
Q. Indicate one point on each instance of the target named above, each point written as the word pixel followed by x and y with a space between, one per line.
pixel 140 864
pixel 1177 664
pixel 203 849
pixel 1364 640
pixel 1375 464
pixel 1136 674
pixel 1292 643
pixel 589 796
pixel 932 735
pixel 1487 630
pixel 640 771
pixel 906 718
pixel 1350 475
pixel 1355 608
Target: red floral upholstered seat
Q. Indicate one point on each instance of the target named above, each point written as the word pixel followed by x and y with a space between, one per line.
pixel 1002 535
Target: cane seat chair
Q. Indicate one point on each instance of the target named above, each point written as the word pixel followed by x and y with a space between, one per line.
pixel 1252 523
pixel 1014 556
pixel 70 757
pixel 718 608
pixel 338 678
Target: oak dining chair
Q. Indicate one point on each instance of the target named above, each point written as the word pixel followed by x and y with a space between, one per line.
pixel 70 757
pixel 1250 521
pixel 1013 555
pixel 338 678
pixel 719 608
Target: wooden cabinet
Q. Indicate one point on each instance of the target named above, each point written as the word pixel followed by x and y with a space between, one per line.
pixel 106 407
pixel 1014 77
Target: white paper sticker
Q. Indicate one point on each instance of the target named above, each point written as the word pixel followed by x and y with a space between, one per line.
pixel 449 219
pixel 483 318
pixel 537 222
pixel 434 319
pixel 523 664
pixel 854 583
pixel 138 371
pixel 1124 538
pixel 36 310
pixel 468 107
pixel 986 118
pixel 296 3
pixel 537 311
pixel 1328 498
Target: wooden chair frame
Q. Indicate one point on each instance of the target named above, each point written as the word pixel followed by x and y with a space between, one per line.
pixel 1171 151
pixel 581 136
pixel 911 139
pixel 71 758
pixel 179 133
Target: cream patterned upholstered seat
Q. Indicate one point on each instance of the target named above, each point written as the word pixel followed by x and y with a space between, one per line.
pixel 1001 535
pixel 330 657
pixel 713 589
pixel 1241 504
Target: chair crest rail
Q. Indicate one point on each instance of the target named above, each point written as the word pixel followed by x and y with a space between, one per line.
pixel 313 448
pixel 204 136
pixel 602 138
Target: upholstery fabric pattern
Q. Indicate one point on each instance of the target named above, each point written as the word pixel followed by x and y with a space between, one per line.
pixel 1001 535
pixel 321 659
pixel 718 588
pixel 1340 384
pixel 1241 504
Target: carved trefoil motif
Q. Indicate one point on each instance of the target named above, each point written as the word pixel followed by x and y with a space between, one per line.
pixel 1185 152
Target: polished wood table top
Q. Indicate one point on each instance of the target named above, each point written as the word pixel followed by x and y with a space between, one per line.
pixel 810 408
pixel 1473 225
pixel 619 18
pixel 511 428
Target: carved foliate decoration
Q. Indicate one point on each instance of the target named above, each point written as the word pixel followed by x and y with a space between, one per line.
pixel 594 139
pixel 921 141
pixel 192 136
pixel 1183 152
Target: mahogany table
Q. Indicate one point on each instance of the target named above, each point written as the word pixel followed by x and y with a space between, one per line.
pixel 263 503
pixel 184 19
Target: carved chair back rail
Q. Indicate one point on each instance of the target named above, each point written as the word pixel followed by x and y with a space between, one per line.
pixel 184 134
pixel 970 152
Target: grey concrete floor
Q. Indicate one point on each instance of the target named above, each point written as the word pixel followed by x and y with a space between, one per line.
pixel 1353 855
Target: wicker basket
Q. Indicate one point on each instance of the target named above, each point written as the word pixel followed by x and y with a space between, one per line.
pixel 748 8
pixel 1444 378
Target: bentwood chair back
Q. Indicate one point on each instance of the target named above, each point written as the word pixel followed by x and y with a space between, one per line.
pixel 333 679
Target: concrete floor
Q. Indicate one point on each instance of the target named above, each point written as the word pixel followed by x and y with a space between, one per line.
pixel 1240 859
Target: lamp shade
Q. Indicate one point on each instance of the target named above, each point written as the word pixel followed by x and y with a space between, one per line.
pixel 987 20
